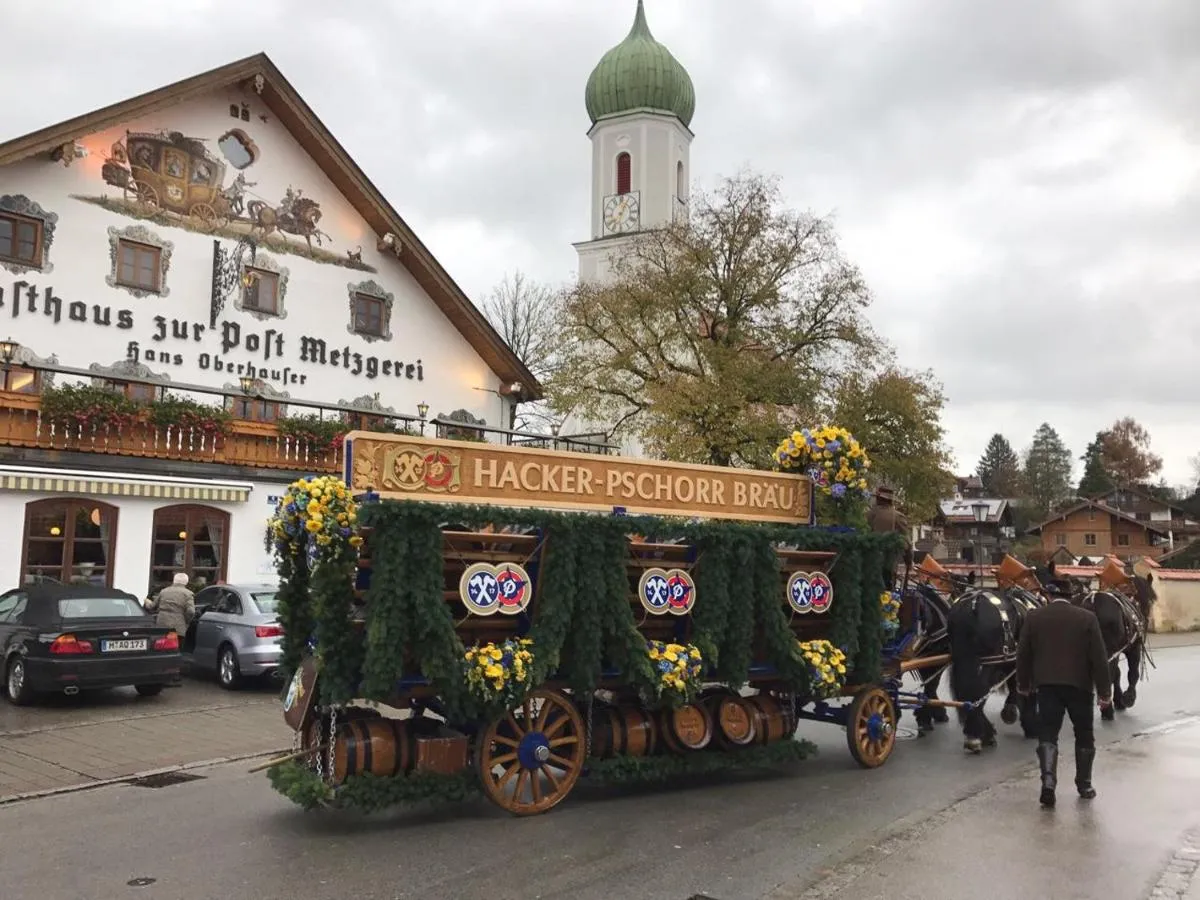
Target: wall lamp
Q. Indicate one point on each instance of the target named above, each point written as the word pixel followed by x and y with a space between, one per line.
pixel 8 352
pixel 249 385
pixel 423 413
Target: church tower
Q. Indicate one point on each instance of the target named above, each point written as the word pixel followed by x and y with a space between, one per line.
pixel 640 101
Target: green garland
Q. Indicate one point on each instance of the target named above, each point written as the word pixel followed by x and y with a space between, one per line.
pixel 643 769
pixel 371 793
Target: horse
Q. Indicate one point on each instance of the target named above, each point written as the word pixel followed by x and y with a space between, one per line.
pixel 984 628
pixel 301 219
pixel 1123 626
pixel 922 633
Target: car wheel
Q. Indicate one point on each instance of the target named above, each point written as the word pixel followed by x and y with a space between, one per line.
pixel 149 690
pixel 228 671
pixel 16 686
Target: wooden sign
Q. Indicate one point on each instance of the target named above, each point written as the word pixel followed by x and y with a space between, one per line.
pixel 416 468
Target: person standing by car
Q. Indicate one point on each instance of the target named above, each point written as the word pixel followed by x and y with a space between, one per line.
pixel 1061 656
pixel 175 605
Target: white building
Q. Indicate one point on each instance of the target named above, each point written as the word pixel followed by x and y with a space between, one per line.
pixel 640 101
pixel 210 241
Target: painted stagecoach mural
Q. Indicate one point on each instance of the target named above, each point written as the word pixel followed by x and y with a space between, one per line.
pixel 178 181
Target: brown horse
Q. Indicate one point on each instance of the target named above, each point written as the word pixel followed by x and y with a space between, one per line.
pixel 300 220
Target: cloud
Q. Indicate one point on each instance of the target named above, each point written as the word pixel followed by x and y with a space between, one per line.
pixel 1019 181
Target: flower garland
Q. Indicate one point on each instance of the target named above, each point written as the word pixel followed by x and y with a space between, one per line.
pixel 679 668
pixel 318 513
pixel 500 675
pixel 827 667
pixel 889 605
pixel 830 455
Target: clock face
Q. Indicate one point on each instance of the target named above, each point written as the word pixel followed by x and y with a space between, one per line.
pixel 621 213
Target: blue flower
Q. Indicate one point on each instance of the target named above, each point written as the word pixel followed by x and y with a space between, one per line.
pixel 664 666
pixel 838 489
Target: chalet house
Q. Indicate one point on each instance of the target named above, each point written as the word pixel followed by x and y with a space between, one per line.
pixel 964 527
pixel 1144 507
pixel 200 293
pixel 1092 529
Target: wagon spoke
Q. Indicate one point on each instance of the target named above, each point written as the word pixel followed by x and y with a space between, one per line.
pixel 555 726
pixel 543 715
pixel 526 713
pixel 535 782
pixel 503 780
pixel 561 761
pixel 517 729
pixel 504 760
pixel 563 741
pixel 520 790
pixel 506 741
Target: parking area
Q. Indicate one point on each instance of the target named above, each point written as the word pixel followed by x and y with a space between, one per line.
pixel 67 741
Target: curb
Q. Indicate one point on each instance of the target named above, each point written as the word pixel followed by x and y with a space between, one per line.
pixel 125 779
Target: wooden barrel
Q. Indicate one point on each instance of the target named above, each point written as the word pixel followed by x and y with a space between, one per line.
pixel 734 719
pixel 773 721
pixel 623 731
pixel 375 746
pixel 688 727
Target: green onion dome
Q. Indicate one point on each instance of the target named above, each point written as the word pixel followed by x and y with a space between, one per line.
pixel 639 73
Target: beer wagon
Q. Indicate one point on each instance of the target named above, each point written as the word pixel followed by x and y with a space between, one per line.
pixel 528 617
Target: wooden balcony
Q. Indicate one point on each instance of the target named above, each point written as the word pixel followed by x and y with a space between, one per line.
pixel 255 445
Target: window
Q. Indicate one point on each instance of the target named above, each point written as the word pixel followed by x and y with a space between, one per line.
pixel 1060 539
pixel 261 293
pixel 191 539
pixel 69 541
pixel 134 390
pixel 369 315
pixel 139 266
pixel 100 608
pixel 1091 515
pixel 9 603
pixel 680 183
pixel 1089 539
pixel 1123 540
pixel 624 173
pixel 266 602
pixel 20 239
pixel 21 380
pixel 253 409
pixel 229 603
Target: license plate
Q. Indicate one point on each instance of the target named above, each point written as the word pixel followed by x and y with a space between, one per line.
pixel 123 646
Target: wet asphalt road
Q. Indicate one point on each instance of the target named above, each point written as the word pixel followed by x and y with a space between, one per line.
pixel 730 838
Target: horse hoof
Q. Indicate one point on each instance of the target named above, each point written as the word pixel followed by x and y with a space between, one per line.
pixel 1047 798
pixel 1130 697
pixel 940 715
pixel 1107 714
pixel 974 745
pixel 1009 714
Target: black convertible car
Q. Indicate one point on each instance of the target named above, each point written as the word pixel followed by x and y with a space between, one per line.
pixel 67 638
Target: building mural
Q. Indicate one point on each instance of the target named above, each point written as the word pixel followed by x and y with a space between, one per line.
pixel 174 180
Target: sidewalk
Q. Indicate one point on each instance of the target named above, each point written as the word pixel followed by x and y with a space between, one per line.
pixel 69 755
pixel 1140 838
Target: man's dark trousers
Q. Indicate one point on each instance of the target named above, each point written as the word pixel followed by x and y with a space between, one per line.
pixel 1054 701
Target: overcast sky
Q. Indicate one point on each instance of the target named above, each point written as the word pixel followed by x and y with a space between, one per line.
pixel 1020 181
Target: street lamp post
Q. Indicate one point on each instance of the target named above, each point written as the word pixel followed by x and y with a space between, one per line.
pixel 980 511
pixel 422 412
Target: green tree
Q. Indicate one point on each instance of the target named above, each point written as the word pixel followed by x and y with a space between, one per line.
pixel 1047 471
pixel 1125 453
pixel 715 335
pixel 999 468
pixel 1095 480
pixel 896 415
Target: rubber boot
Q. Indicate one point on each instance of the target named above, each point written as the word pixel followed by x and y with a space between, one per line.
pixel 1084 757
pixel 1047 755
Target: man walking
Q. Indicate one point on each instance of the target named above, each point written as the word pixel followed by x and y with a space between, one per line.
pixel 1061 657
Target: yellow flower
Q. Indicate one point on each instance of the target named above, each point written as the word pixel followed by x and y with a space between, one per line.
pixel 671 655
pixel 313 507
pixel 493 671
pixel 313 525
pixel 494 652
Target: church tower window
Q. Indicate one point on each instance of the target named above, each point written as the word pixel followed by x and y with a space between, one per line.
pixel 624 173
pixel 680 182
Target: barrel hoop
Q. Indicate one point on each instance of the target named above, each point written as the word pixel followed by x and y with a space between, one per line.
pixel 368 744
pixel 620 735
pixel 351 745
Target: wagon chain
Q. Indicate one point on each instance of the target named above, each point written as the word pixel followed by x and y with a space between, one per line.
pixel 587 741
pixel 332 738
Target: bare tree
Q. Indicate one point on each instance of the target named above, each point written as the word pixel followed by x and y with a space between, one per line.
pixel 527 315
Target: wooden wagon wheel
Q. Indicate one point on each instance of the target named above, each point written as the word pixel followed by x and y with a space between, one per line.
pixel 529 759
pixel 871 727
pixel 145 196
pixel 204 215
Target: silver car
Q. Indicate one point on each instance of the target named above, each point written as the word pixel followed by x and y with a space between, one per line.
pixel 236 633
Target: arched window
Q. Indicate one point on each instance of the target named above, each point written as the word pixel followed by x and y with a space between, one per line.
pixel 191 539
pixel 680 182
pixel 70 540
pixel 624 173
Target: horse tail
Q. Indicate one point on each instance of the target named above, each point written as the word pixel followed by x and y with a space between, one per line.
pixel 966 662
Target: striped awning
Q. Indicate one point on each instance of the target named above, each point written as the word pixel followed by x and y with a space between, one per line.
pixel 124 487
